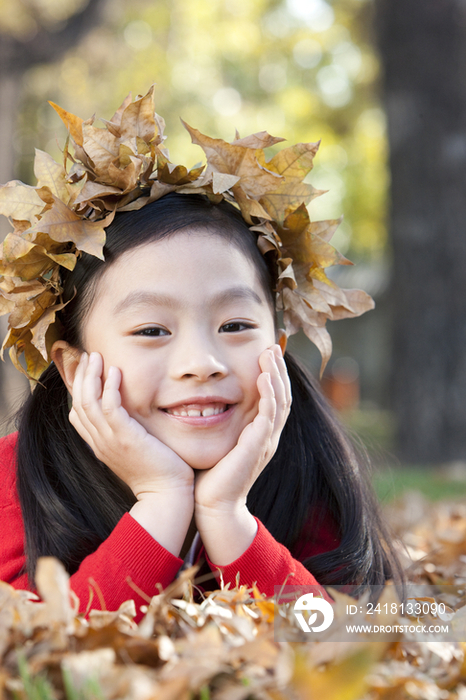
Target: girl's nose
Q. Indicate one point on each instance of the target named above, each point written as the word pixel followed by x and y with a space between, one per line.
pixel 197 360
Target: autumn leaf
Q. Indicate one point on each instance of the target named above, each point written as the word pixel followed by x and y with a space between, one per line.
pixel 357 303
pixel 6 305
pixel 23 259
pixel 172 174
pixel 62 224
pixel 256 141
pixel 116 119
pixel 325 229
pixel 294 162
pixel 72 123
pixel 94 190
pixel 101 147
pixel 19 201
pixel 255 179
pixel 343 680
pixel 249 207
pixel 52 175
pixel 35 362
pixel 125 178
pixel 286 197
pixel 52 583
pixel 40 328
pixel 296 223
pixel 29 310
pixel 138 119
pixel 297 314
pixel 221 182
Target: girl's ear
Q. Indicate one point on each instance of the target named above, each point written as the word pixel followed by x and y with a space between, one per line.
pixel 66 359
pixel 282 339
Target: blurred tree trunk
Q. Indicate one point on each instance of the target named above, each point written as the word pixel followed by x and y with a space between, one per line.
pixel 16 58
pixel 423 49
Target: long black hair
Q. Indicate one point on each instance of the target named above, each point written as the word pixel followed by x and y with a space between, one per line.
pixel 71 501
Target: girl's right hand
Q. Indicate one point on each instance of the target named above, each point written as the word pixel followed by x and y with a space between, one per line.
pixel 139 459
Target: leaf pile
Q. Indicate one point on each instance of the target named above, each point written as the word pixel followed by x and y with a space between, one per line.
pixel 123 167
pixel 224 647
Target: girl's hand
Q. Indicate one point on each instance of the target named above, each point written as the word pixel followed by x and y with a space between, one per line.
pixel 142 461
pixel 223 489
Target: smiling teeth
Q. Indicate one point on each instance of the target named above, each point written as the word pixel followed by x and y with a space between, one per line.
pixel 196 412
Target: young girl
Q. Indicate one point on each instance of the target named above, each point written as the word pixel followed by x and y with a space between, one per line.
pixel 172 427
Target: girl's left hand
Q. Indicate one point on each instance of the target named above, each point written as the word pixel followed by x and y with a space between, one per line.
pixel 225 487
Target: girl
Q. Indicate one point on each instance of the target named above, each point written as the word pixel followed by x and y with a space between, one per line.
pixel 165 429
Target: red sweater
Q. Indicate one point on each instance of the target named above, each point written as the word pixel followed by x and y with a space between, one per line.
pixel 130 554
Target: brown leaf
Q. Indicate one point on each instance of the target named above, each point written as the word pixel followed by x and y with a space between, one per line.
pixel 358 302
pixel 52 175
pixel 286 276
pixel 294 162
pixel 52 583
pixel 62 224
pixel 294 225
pixel 6 305
pixel 116 119
pixel 287 197
pixel 19 201
pixel 93 190
pixel 325 229
pixel 221 182
pixel 314 249
pixel 72 123
pixel 11 338
pixel 249 207
pixel 101 147
pixel 223 157
pixel 39 329
pixel 112 128
pixel 28 310
pixel 172 174
pixel 24 259
pixel 297 314
pixel 14 352
pixel 19 343
pixel 138 119
pixel 127 178
pixel 260 140
pixel 35 363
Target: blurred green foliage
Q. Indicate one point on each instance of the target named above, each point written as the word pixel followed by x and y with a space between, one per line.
pixel 390 484
pixel 302 69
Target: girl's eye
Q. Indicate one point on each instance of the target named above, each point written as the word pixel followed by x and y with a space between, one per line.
pixel 235 327
pixel 153 332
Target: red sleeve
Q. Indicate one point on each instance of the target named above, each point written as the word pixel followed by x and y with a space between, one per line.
pixel 266 562
pixel 128 556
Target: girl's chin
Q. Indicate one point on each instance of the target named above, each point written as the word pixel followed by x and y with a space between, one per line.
pixel 201 464
pixel 202 460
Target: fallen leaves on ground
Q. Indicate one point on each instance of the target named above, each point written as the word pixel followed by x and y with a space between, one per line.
pixel 224 648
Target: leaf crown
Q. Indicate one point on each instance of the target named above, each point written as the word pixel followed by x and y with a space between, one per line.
pixel 125 166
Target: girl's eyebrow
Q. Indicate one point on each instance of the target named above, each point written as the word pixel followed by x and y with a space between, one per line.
pixel 146 298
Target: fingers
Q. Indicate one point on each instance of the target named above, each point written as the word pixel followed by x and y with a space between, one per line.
pixel 87 391
pixel 283 371
pixel 88 398
pixel 111 397
pixel 267 401
pixel 272 361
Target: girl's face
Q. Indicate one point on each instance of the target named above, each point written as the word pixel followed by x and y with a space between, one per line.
pixel 185 319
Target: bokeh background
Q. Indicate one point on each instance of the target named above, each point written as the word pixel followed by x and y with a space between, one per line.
pixel 381 84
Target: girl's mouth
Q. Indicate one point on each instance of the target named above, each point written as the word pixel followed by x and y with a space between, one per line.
pixel 202 414
pixel 196 411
